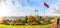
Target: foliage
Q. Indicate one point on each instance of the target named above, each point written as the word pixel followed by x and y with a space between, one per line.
pixel 39 18
pixel 31 19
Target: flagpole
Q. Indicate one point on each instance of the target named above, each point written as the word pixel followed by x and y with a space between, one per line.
pixel 45 5
pixel 44 12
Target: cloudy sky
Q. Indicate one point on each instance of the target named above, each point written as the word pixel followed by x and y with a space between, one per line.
pixel 28 7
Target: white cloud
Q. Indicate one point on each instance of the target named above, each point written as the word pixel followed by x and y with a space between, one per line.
pixel 52 9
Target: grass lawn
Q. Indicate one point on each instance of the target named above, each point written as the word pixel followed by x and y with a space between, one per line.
pixel 35 26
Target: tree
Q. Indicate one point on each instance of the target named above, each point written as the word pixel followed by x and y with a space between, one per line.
pixel 32 19
pixel 12 22
pixel 47 19
pixel 39 18
pixel 26 18
pixel 3 20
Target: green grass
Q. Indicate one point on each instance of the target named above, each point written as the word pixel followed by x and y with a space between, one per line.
pixel 28 26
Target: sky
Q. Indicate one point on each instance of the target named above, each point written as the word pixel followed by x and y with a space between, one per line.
pixel 28 7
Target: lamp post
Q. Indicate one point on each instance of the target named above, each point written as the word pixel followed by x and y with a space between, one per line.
pixel 36 12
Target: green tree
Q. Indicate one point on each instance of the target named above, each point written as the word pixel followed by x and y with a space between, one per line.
pixel 39 18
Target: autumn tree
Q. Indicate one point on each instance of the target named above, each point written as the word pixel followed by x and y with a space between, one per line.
pixel 3 19
pixel 47 19
pixel 32 20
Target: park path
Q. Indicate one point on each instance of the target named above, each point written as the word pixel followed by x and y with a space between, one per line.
pixel 54 24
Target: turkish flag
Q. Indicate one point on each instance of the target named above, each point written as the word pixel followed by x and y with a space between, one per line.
pixel 46 5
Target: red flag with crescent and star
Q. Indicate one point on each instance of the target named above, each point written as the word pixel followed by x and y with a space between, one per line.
pixel 46 5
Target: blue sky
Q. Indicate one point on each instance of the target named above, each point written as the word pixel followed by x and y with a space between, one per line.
pixel 28 7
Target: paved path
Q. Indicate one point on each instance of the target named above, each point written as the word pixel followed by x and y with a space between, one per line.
pixel 54 25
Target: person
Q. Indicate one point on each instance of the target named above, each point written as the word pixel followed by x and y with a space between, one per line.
pixel 58 23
